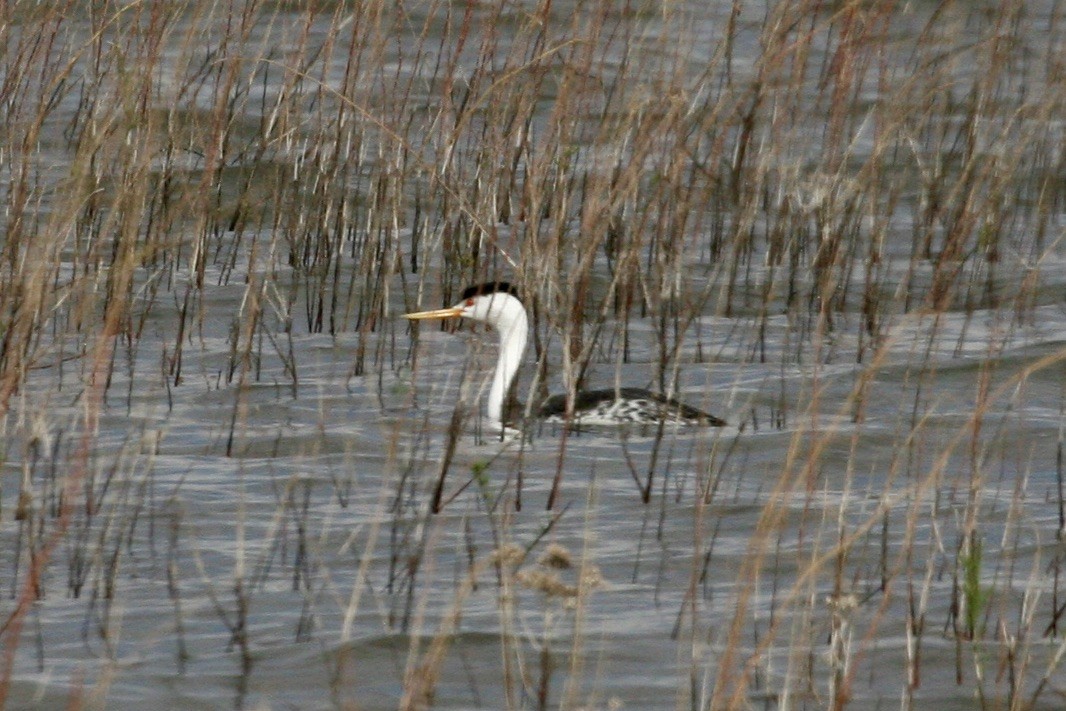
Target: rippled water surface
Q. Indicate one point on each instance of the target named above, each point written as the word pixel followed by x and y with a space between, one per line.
pixel 261 537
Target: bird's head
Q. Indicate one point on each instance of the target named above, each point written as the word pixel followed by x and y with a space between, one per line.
pixel 492 303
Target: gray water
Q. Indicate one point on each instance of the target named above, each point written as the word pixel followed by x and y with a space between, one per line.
pixel 300 506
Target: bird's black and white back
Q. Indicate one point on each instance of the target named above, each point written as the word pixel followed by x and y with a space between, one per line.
pixel 624 406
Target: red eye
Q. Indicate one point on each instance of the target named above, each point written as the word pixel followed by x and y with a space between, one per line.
pixel 469 302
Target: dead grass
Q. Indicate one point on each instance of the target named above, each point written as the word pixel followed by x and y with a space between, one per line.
pixel 873 179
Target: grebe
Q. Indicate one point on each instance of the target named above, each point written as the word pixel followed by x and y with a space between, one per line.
pixel 496 303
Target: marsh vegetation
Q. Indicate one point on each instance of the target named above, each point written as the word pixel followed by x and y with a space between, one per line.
pixel 232 476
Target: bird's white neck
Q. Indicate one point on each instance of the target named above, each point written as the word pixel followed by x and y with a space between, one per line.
pixel 512 324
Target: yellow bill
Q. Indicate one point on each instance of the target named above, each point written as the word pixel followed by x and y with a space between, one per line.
pixel 452 312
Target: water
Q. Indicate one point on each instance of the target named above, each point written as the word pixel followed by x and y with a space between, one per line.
pixel 304 515
pixel 260 540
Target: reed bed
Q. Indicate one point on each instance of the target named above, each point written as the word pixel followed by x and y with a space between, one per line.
pixel 839 223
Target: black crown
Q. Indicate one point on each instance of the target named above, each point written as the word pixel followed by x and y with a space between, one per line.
pixel 489 287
